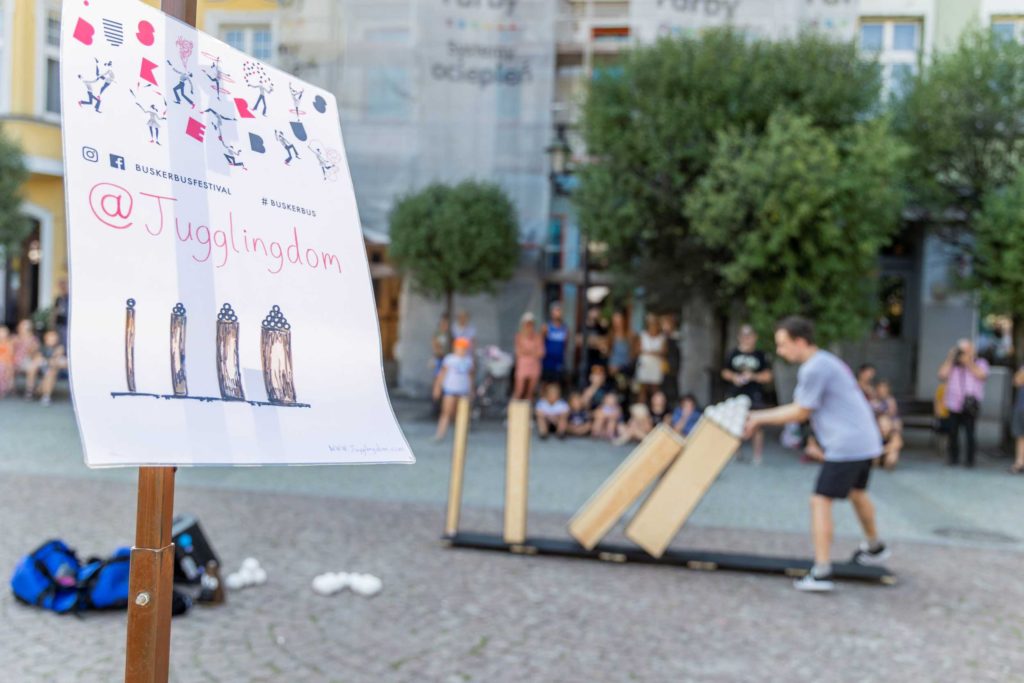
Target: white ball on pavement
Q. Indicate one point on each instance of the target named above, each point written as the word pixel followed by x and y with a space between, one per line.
pixel 259 577
pixel 234 582
pixel 366 585
pixel 324 584
pixel 250 563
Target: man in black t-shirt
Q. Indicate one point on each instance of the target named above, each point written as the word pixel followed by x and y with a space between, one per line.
pixel 748 371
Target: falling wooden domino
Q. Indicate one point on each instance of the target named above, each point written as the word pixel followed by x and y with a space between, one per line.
pixel 709 447
pixel 626 484
pixel 451 523
pixel 517 459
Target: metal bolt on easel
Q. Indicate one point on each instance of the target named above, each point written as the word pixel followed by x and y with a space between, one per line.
pixel 276 352
pixel 228 373
pixel 179 381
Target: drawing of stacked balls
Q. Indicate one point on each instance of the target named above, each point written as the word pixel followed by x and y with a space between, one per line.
pixel 276 354
pixel 229 374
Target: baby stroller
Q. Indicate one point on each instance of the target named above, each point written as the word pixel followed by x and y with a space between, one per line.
pixel 493 389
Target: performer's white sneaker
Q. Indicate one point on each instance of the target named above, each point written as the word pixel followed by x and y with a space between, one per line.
pixel 815 584
pixel 871 556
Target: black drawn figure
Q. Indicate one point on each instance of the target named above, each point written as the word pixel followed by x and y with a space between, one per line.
pixel 179 382
pixel 276 353
pixel 328 160
pixel 228 372
pixel 184 78
pixel 297 100
pixel 106 78
pixel 215 75
pixel 288 147
pixel 218 118
pixel 231 154
pixel 257 77
pixel 155 117
pixel 129 344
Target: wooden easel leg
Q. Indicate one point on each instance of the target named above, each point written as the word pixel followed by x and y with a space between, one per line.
pixel 151 583
pixel 451 523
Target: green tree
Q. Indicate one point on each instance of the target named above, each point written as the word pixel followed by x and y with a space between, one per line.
pixel 460 239
pixel 651 126
pixel 14 227
pixel 799 215
pixel 999 256
pixel 962 120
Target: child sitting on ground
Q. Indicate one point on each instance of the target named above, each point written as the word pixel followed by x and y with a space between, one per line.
pixel 552 412
pixel 606 417
pixel 638 426
pixel 48 362
pixel 885 404
pixel 580 420
pixel 6 361
pixel 659 409
pixel 686 415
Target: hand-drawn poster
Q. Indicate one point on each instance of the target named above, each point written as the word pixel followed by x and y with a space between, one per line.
pixel 221 305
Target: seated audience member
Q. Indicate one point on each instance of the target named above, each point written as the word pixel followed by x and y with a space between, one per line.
pixel 659 409
pixel 595 391
pixel 885 404
pixel 552 412
pixel 580 420
pixel 607 417
pixel 6 361
pixel 26 345
pixel 48 362
pixel 686 415
pixel 866 380
pixel 892 442
pixel 637 427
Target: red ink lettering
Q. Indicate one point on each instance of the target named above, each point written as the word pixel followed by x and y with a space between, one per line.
pixel 114 202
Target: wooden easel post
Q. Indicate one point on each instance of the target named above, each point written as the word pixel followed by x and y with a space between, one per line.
pixel 148 648
pixel 451 522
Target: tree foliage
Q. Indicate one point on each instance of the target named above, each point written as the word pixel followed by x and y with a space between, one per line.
pixel 460 239
pixel 652 126
pixel 962 120
pixel 999 255
pixel 799 215
pixel 14 227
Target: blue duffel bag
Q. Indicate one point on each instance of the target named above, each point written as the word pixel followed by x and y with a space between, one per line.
pixel 48 577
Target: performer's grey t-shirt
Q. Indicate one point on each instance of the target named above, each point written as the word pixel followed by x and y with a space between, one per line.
pixel 843 421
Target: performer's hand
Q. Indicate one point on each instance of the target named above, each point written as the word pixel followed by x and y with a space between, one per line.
pixel 749 428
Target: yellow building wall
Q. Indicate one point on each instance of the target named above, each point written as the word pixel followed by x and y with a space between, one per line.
pixel 41 139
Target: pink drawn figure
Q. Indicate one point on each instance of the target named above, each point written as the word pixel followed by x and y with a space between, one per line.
pixel 297 99
pixel 184 50
pixel 217 77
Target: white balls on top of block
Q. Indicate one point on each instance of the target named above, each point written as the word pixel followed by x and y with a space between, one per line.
pixel 731 414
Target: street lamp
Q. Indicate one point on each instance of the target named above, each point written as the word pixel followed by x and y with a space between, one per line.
pixel 560 155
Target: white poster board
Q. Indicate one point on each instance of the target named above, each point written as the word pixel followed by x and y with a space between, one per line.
pixel 221 303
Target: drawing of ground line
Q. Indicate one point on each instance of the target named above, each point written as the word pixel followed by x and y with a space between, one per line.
pixel 179 382
pixel 129 344
pixel 276 354
pixel 228 373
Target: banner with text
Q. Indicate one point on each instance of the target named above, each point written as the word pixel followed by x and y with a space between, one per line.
pixel 221 303
pixel 769 19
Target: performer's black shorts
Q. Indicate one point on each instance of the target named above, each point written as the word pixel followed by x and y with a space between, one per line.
pixel 837 479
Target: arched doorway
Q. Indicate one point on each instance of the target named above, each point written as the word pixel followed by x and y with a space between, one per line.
pixel 21 281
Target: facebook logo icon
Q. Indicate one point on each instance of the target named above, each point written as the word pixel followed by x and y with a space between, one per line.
pixel 116 161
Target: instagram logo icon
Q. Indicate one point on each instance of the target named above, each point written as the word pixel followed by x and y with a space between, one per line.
pixel 90 154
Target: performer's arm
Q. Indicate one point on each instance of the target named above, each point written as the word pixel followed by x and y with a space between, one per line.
pixel 792 412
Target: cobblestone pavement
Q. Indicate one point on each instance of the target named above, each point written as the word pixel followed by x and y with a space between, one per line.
pixel 460 615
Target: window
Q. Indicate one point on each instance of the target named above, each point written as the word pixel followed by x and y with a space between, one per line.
pixel 1009 28
pixel 896 44
pixel 254 39
pixel 388 93
pixel 49 100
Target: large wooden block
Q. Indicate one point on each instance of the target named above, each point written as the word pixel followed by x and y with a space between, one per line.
pixel 673 500
pixel 517 460
pixel 451 522
pixel 626 484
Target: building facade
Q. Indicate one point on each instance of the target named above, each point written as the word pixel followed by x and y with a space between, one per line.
pixel 30 115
